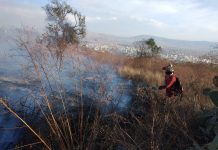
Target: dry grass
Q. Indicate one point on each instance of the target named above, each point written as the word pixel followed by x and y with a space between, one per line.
pixel 179 123
pixel 194 77
pixel 152 122
pixel 154 78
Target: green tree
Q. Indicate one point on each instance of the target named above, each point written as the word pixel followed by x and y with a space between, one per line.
pixel 153 47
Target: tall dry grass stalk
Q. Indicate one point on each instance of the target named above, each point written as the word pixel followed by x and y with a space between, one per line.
pixel 4 103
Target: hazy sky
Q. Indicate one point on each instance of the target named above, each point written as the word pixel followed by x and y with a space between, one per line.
pixel 179 19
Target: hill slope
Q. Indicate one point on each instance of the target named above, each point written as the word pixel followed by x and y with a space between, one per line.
pixel 195 48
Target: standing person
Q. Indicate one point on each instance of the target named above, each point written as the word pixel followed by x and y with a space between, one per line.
pixel 170 80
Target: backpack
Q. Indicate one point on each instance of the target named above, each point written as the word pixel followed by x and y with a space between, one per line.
pixel 177 87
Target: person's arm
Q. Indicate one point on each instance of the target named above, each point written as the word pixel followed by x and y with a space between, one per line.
pixel 162 87
pixel 171 82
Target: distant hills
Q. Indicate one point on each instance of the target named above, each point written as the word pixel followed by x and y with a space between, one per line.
pixel 194 48
pixel 170 46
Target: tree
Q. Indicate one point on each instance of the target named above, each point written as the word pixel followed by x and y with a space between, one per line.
pixel 153 47
pixel 142 48
pixel 147 48
pixel 66 26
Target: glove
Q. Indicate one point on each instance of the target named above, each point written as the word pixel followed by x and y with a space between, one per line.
pixel 161 87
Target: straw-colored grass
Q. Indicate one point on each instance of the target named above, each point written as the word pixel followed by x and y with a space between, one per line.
pixel 194 77
pixel 153 121
pixel 154 78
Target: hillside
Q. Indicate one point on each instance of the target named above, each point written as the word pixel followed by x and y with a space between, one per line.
pixel 194 48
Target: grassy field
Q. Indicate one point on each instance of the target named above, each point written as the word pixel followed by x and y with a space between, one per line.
pixel 152 122
pixel 194 77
